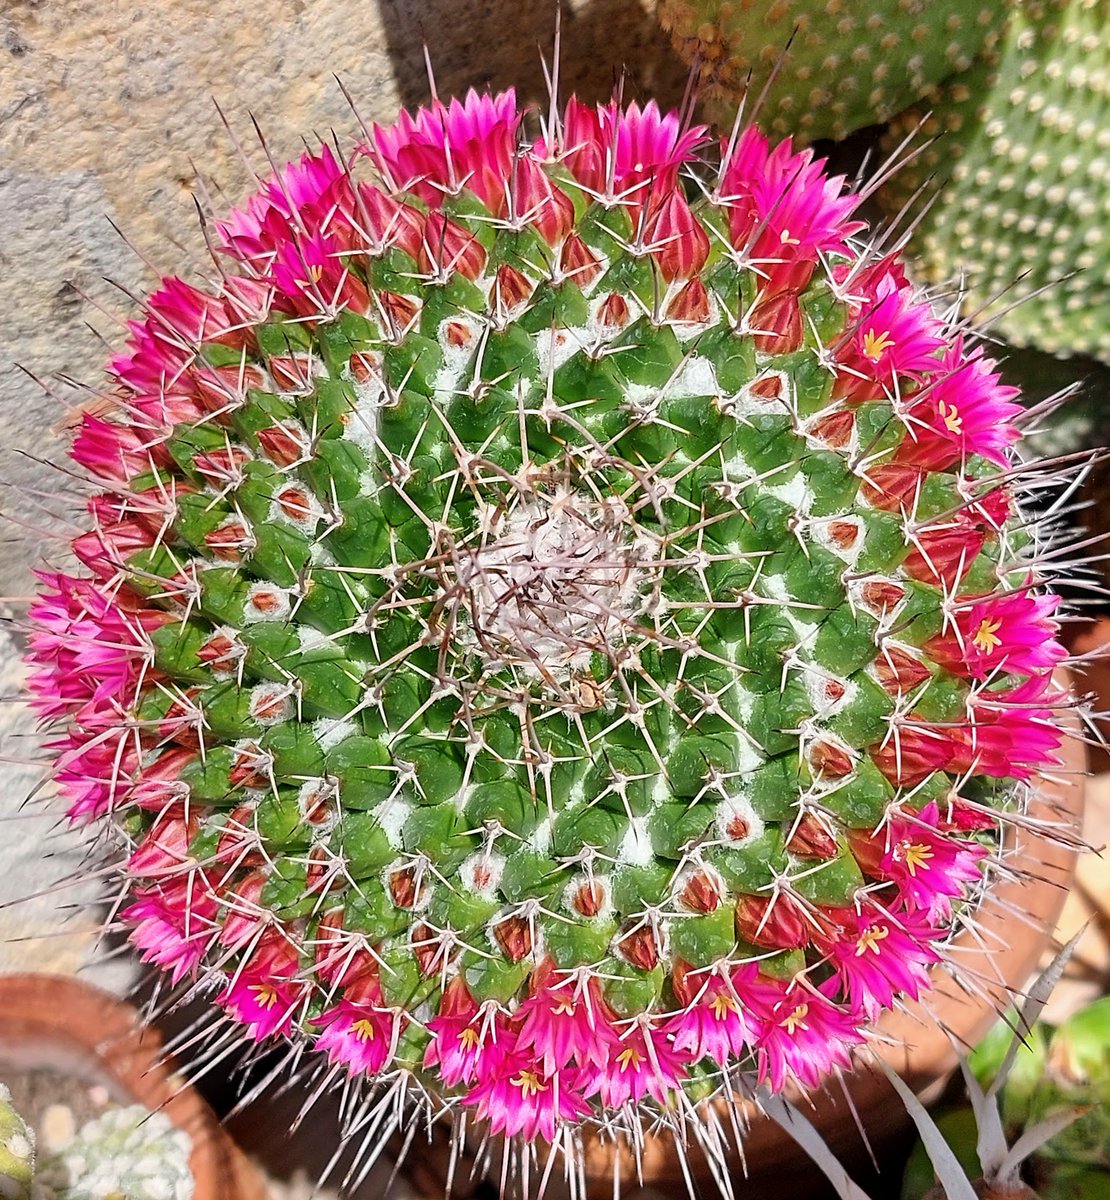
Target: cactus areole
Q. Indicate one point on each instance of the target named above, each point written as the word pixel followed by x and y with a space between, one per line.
pixel 553 633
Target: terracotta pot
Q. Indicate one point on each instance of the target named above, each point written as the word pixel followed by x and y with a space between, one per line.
pixel 1089 641
pixel 62 1024
pixel 1015 925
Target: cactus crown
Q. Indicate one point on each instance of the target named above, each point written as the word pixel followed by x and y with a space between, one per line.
pixel 546 641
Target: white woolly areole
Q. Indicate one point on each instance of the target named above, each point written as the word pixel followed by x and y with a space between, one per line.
pixel 391 815
pixel 270 703
pixel 329 733
pixel 694 376
pixel 733 814
pixel 795 492
pixel 361 425
pixel 458 338
pixel 555 346
pixel 266 602
pixel 601 887
pixel 481 873
pixel 635 850
pixel 846 549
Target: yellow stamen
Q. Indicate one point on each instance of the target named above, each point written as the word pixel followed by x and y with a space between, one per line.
pixel 986 636
pixel 630 1057
pixel 722 1005
pixel 787 240
pixel 950 415
pixel 870 939
pixel 529 1083
pixel 314 275
pixel 469 1038
pixel 265 994
pixel 563 1004
pixel 875 345
pixel 363 1030
pixel 796 1020
pixel 916 856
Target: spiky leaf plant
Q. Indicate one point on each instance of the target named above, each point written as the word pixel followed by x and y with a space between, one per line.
pixel 824 68
pixel 1036 1128
pixel 549 640
pixel 1016 183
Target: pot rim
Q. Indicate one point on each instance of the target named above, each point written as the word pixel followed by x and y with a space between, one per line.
pixel 62 1023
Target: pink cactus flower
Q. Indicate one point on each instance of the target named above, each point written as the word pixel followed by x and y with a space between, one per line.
pixel 443 147
pixel 301 196
pixel 892 334
pixel 1013 633
pixel 564 1019
pixel 713 1022
pixel 363 1037
pixel 113 451
pixel 313 280
pixel 265 994
pixel 784 211
pixel 645 1063
pixel 965 411
pixel 516 1096
pixel 174 924
pixel 877 955
pixel 462 1033
pixel 1012 733
pixel 88 646
pixel 802 1034
pixel 926 863
pixel 94 771
pixel 629 154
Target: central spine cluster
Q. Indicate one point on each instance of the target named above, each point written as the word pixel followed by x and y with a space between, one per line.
pixel 543 635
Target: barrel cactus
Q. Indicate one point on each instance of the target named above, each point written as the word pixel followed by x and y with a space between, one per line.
pixel 1017 180
pixel 554 634
pixel 824 68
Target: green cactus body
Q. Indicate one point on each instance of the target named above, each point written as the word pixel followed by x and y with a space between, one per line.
pixel 564 641
pixel 1019 192
pixel 17 1151
pixel 838 66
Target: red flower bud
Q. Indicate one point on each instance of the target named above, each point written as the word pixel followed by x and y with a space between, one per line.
pixel 678 243
pixel 577 261
pixel 514 936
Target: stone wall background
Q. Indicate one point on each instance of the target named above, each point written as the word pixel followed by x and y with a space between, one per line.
pixel 106 118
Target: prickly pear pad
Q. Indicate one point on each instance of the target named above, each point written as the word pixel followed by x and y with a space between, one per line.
pixel 552 628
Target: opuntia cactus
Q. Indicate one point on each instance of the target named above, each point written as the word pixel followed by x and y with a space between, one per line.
pixel 546 643
pixel 824 68
pixel 125 1153
pixel 17 1151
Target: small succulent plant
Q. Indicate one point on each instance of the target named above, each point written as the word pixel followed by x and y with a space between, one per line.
pixel 126 1153
pixel 824 68
pixel 554 633
pixel 17 1151
pixel 1037 1126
